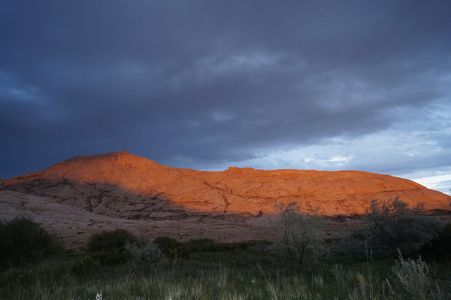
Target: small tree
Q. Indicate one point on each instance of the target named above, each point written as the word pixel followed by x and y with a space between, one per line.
pixel 394 225
pixel 298 234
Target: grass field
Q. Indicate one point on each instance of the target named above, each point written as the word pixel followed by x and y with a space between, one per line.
pixel 240 271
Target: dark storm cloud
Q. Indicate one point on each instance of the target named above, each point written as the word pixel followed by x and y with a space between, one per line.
pixel 198 83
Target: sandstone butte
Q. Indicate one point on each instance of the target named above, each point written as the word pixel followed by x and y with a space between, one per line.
pixel 127 186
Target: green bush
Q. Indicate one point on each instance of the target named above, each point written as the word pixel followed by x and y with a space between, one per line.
pixel 25 241
pixel 207 245
pixel 439 249
pixel 172 248
pixel 392 225
pixel 108 247
pixel 144 251
pixel 210 245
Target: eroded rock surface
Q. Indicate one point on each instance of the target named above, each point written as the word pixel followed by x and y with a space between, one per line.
pixel 127 186
pixel 86 194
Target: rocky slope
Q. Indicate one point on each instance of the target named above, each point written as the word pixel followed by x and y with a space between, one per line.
pixel 86 194
pixel 76 225
pixel 131 187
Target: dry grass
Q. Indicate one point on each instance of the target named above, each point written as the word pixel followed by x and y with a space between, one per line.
pixel 403 279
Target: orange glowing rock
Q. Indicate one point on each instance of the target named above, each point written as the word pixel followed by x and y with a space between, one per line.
pixel 124 185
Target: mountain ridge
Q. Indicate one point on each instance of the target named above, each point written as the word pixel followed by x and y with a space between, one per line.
pixel 87 194
pixel 132 180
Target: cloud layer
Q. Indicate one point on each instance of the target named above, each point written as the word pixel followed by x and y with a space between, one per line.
pixel 208 84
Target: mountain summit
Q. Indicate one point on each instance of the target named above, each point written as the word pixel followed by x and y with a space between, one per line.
pixel 123 185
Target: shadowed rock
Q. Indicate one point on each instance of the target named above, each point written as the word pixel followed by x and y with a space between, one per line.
pixel 127 186
pixel 86 194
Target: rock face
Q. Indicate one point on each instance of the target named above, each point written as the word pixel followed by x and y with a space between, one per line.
pixel 86 194
pixel 131 187
pixel 76 225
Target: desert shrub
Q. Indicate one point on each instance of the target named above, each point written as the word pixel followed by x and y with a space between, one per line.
pixel 393 224
pixel 167 245
pixel 207 245
pixel 108 247
pixel 439 249
pixel 412 276
pixel 25 241
pixel 353 248
pixel 210 245
pixel 144 251
pixel 298 235
pixel 85 266
pixel 172 249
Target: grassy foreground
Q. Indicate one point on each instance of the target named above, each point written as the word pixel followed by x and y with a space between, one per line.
pixel 233 274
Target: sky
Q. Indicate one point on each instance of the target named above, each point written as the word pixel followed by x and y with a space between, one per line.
pixel 325 85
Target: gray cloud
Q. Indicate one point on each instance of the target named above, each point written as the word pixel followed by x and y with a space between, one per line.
pixel 206 84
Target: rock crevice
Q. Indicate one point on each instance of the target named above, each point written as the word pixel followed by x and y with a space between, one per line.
pixel 131 187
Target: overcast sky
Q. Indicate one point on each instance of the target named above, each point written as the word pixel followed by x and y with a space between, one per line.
pixel 325 85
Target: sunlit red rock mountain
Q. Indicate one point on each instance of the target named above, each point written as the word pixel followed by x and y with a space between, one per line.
pixel 125 185
pixel 122 186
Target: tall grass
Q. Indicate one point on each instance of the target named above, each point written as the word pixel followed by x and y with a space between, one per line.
pixel 195 279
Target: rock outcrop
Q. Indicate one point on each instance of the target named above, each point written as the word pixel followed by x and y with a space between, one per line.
pixel 127 186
